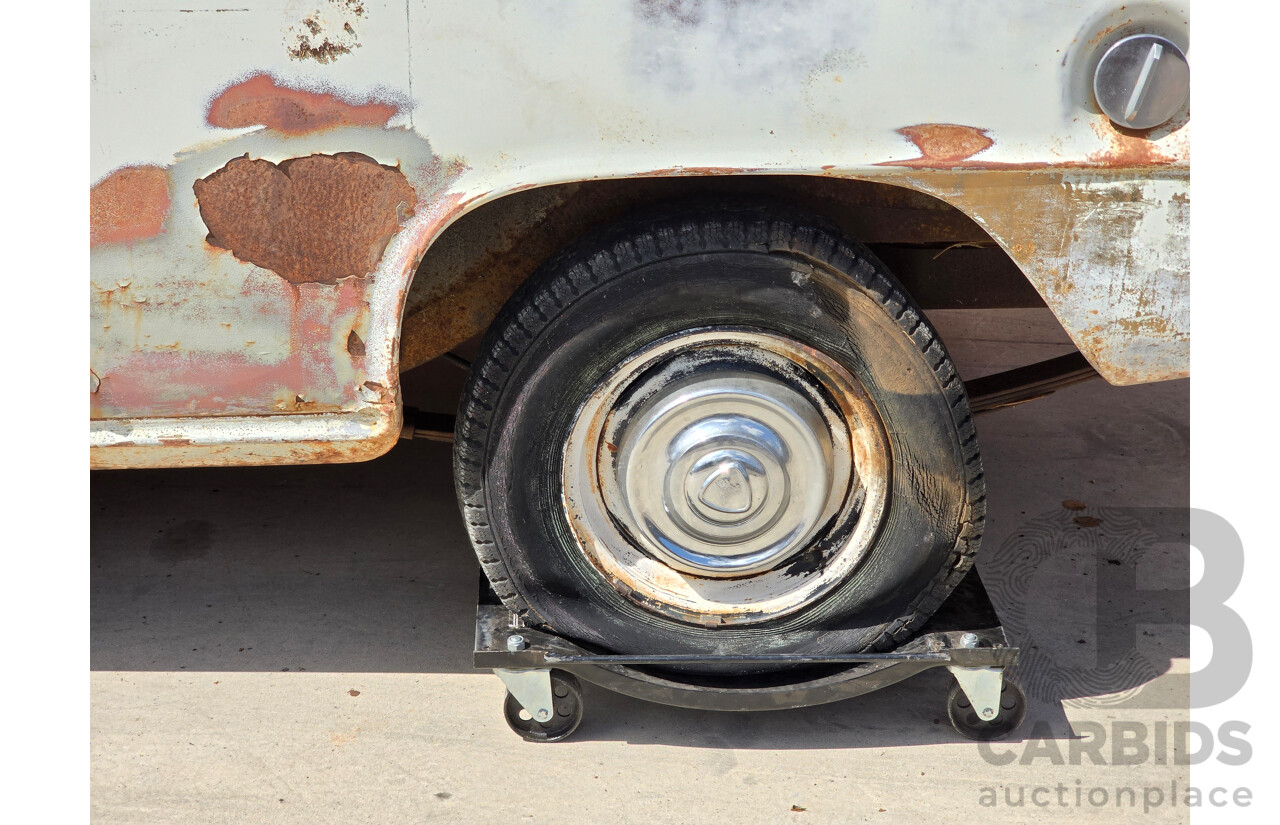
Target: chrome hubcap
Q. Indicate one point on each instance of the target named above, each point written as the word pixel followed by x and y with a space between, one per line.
pixel 702 466
pixel 723 471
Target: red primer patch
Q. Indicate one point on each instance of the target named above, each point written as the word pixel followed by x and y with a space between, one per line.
pixel 261 101
pixel 129 205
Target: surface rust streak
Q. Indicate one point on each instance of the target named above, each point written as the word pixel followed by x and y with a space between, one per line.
pixel 313 219
pixel 129 205
pixel 1129 149
pixel 945 146
pixel 1098 38
pixel 262 101
pixel 692 171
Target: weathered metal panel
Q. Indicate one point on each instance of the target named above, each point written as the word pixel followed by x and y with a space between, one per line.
pixel 265 178
pixel 1109 253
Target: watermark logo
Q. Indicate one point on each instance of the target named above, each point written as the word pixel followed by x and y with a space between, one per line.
pixel 1118 797
pixel 1126 744
pixel 1122 573
pixel 1100 603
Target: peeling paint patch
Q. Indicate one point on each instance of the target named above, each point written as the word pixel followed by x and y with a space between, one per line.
pixel 129 205
pixel 374 393
pixel 326 51
pixel 944 144
pixel 309 220
pixel 307 376
pixel 325 36
pixel 261 101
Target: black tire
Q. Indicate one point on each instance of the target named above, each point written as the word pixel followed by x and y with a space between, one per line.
pixel 618 290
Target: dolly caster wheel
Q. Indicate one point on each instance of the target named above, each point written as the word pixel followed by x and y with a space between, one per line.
pixel 566 712
pixel 965 719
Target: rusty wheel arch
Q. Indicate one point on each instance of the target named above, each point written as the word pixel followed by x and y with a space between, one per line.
pixel 944 258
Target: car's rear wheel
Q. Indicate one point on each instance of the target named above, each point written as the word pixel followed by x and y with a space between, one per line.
pixel 715 432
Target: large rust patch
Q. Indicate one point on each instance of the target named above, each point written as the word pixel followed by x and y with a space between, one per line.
pixel 261 101
pixel 309 220
pixel 128 205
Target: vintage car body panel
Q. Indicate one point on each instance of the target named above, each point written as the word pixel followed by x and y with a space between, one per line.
pixel 265 179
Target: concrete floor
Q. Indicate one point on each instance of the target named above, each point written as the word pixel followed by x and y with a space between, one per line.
pixel 293 645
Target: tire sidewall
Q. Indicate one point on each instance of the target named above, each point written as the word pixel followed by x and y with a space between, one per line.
pixel 598 327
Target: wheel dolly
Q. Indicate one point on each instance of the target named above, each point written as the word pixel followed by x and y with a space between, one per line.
pixel 540 669
pixel 544 700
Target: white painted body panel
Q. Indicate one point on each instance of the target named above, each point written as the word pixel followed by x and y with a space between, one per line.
pixel 493 97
